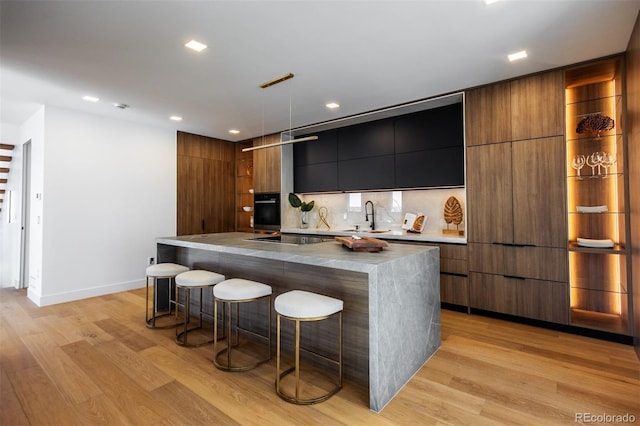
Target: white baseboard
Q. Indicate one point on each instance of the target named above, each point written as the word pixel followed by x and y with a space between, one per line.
pixel 85 293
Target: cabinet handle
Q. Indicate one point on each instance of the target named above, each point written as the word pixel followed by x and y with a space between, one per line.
pixel 513 244
pixel 454 274
pixel 202 225
pixel 514 277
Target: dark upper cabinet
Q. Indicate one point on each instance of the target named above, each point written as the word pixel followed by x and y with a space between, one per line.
pixel 363 174
pixel 430 129
pixel 430 168
pixel 372 139
pixel 323 150
pixel 322 177
pixel 417 150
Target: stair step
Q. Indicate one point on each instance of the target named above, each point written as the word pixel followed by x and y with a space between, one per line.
pixel 2 191
pixel 5 158
pixel 3 181
pixel 4 170
pixel 7 146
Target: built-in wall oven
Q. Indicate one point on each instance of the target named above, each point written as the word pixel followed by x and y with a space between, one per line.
pixel 266 212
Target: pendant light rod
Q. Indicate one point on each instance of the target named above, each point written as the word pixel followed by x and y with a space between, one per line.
pixel 276 80
pixel 307 138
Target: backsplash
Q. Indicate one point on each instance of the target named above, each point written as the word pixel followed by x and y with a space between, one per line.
pixel 345 211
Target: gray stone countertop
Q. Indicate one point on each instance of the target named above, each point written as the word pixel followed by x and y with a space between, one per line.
pixel 331 254
pixel 393 234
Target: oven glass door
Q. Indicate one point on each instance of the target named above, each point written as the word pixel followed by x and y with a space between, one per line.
pixel 266 214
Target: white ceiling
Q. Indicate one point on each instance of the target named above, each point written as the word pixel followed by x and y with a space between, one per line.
pixel 364 55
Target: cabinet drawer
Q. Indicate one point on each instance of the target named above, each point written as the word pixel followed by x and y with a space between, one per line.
pixel 454 266
pixel 542 263
pixel 536 299
pixel 454 289
pixel 453 251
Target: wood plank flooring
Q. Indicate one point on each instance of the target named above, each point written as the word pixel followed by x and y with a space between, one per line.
pixel 93 362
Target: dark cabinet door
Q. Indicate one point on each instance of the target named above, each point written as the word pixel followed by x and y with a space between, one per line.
pixel 366 173
pixel 430 129
pixel 373 139
pixel 321 177
pixel 438 167
pixel 323 150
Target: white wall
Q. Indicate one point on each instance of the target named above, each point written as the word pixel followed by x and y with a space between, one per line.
pixel 108 189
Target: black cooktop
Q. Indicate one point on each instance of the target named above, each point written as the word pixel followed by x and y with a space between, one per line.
pixel 295 240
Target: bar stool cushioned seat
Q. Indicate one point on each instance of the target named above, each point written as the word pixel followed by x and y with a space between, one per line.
pixel 160 271
pixel 192 280
pixel 237 291
pixel 299 306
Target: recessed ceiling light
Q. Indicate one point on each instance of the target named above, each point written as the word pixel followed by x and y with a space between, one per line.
pixel 332 105
pixel 90 98
pixel 175 118
pixel 234 131
pixel 196 45
pixel 487 2
pixel 518 55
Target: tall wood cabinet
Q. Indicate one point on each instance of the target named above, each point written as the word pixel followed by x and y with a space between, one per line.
pixel 205 182
pixel 266 164
pixel 515 199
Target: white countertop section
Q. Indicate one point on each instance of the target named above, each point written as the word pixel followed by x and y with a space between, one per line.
pixel 424 237
pixel 330 253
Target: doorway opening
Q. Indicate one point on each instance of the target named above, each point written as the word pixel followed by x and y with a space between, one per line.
pixel 26 215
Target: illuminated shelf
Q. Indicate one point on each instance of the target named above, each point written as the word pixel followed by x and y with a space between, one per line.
pixel 597 275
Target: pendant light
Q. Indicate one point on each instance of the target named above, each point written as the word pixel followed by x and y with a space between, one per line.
pixel 265 85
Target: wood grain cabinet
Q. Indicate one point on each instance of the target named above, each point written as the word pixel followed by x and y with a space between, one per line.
pixel 516 203
pixel 488 114
pixel 526 108
pixel 205 185
pixel 267 164
pixel 454 270
pixel 514 194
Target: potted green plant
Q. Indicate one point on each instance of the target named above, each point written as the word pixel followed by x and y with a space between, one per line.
pixel 304 207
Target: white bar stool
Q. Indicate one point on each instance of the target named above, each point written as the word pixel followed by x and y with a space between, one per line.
pixel 162 271
pixel 237 291
pixel 299 306
pixel 192 280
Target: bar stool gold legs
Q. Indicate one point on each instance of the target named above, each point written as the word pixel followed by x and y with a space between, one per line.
pixel 237 292
pixel 299 306
pixel 162 271
pixel 188 281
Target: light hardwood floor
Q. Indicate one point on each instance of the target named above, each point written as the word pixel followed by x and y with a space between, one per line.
pixel 94 362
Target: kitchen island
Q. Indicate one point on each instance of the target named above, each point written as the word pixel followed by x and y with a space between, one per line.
pixel 391 298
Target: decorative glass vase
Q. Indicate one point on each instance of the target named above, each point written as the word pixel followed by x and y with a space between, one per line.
pixel 304 219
